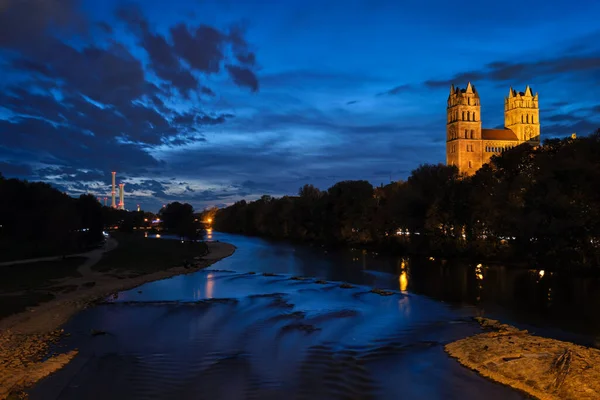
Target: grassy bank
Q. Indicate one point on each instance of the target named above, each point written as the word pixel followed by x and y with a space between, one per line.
pixel 141 255
pixel 30 284
pixel 27 285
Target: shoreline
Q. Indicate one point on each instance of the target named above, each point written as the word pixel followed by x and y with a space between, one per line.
pixel 25 337
pixel 544 368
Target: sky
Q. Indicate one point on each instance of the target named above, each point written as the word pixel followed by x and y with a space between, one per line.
pixel 213 101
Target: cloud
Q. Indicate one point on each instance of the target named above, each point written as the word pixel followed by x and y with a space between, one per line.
pixel 574 66
pixel 204 49
pixel 8 169
pixel 401 89
pixel 77 109
pixel 567 127
pixel 23 23
pixel 243 77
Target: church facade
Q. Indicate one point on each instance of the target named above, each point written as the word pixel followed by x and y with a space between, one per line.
pixel 468 146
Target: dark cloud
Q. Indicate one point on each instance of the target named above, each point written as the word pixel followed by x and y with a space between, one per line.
pixel 566 127
pixel 203 48
pixel 9 169
pixel 243 77
pixel 151 185
pixel 25 22
pixel 23 64
pixel 459 78
pixel 533 71
pixel 401 89
pixel 104 27
pixel 351 102
pixel 85 108
pixel 562 118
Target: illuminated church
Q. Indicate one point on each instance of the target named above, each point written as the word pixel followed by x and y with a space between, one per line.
pixel 468 146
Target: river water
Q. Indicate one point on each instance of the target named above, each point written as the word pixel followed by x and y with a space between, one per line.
pixel 273 322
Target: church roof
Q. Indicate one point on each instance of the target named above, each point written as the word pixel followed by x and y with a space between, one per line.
pixel 498 134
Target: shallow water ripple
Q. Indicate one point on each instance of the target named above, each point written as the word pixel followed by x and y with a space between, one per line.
pixel 226 335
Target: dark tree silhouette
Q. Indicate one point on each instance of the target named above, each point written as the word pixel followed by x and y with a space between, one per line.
pixel 527 203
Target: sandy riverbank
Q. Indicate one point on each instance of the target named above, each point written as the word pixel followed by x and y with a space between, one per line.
pixel 25 337
pixel 544 368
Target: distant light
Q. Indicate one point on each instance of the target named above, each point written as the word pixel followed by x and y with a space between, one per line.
pixel 158 235
pixel 209 220
pixel 542 273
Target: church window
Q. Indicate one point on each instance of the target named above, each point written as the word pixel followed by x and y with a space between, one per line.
pixel 463 115
pixel 469 164
pixel 527 119
pixel 472 135
pixel 468 115
pixel 522 119
pixel 474 116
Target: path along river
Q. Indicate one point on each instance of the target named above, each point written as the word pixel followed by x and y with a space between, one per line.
pixel 246 329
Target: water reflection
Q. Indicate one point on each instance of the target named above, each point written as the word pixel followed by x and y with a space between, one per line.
pixel 545 299
pixel 403 277
pixel 266 337
pixel 209 286
pixel 232 332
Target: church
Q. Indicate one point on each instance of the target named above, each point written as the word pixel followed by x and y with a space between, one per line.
pixel 468 146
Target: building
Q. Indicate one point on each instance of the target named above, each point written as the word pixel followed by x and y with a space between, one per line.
pixel 468 146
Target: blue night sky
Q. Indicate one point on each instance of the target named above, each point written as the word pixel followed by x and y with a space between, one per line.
pixel 211 101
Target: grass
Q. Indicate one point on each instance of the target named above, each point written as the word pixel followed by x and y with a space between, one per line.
pixel 37 275
pixel 27 285
pixel 12 304
pixel 138 254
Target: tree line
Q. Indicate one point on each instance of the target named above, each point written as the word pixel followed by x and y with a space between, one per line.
pixel 37 220
pixel 527 204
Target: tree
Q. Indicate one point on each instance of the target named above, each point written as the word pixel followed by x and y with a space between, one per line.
pixel 178 218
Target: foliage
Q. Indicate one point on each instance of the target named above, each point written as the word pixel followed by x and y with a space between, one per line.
pixel 37 220
pixel 138 254
pixel 534 203
pixel 179 219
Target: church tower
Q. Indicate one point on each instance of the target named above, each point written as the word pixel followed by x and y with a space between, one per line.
pixel 522 115
pixel 463 129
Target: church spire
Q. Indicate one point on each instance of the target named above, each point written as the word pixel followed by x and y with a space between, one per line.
pixel 510 92
pixel 469 88
pixel 528 91
pixel 452 88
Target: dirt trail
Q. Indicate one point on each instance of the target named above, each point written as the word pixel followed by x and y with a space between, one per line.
pixel 93 254
pixel 542 367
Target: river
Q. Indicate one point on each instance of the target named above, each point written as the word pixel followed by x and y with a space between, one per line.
pixel 249 328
